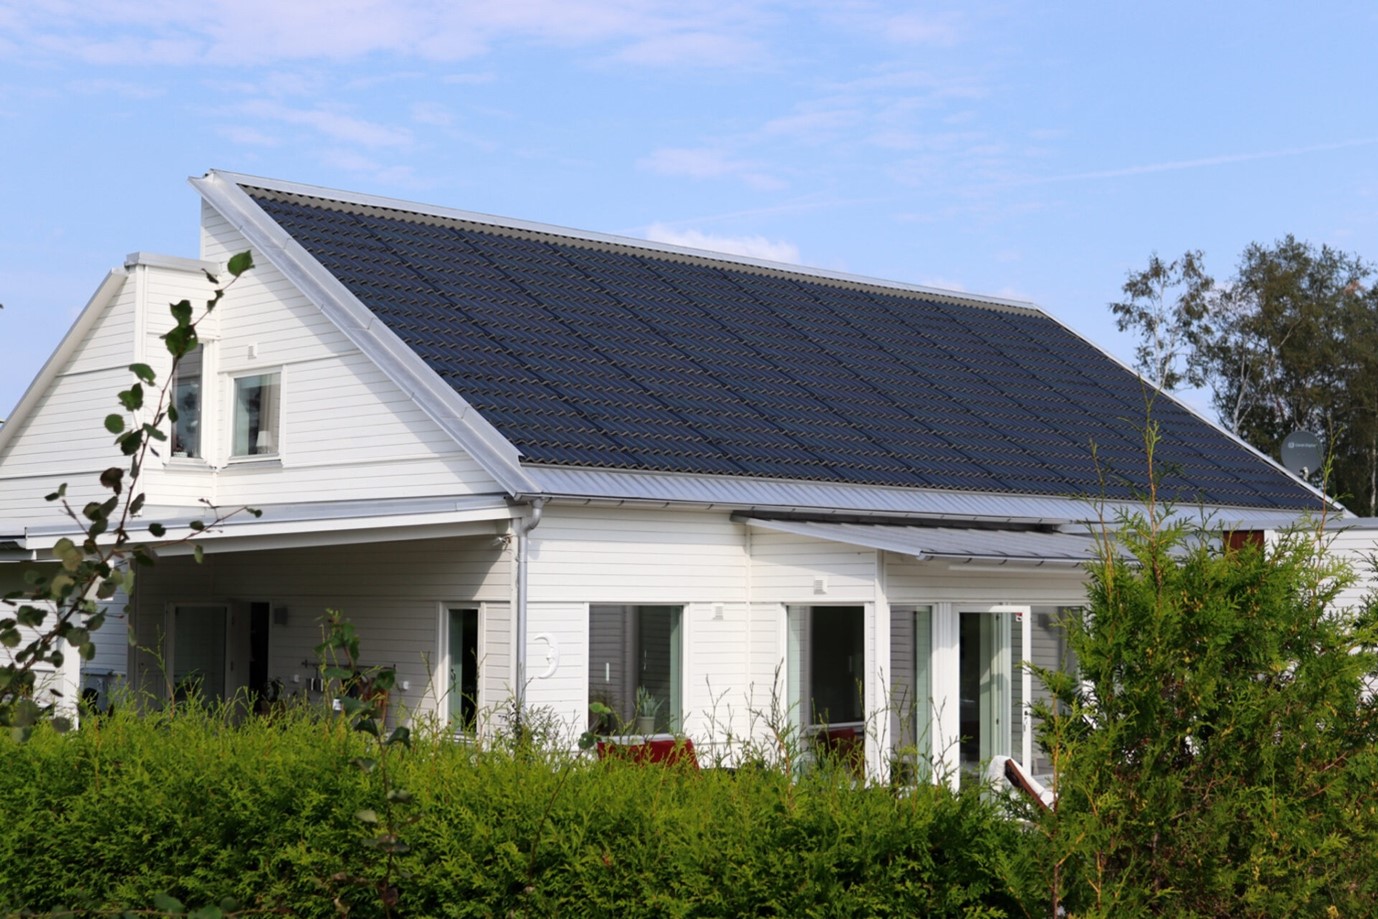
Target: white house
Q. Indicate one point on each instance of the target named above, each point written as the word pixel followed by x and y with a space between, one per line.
pixel 516 455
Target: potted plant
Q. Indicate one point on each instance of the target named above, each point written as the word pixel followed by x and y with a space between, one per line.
pixel 647 707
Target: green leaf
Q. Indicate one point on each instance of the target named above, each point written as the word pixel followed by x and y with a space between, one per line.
pixel 198 553
pixel 181 311
pixel 113 477
pixel 157 530
pixel 132 398
pixel 167 903
pixel 367 815
pixel 143 372
pixel 240 263
pixel 206 912
pixel 114 423
pixel 400 735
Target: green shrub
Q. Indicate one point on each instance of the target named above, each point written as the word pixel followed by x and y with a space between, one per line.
pixel 1219 758
pixel 199 805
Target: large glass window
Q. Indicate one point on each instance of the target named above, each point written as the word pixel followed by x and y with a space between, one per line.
pixel 256 412
pixel 186 401
pixel 991 707
pixel 911 688
pixel 635 666
pixel 826 666
pixel 198 651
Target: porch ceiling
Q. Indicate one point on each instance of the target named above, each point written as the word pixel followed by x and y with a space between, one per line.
pixel 956 544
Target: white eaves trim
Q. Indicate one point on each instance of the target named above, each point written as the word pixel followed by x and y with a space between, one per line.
pixel 494 453
pixel 301 525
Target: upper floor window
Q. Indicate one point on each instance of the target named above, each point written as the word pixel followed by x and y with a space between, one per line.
pixel 186 400
pixel 256 411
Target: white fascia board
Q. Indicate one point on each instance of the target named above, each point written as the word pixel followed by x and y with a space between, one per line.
pixel 609 239
pixel 305 529
pixel 74 338
pixel 263 542
pixel 497 455
pixel 170 262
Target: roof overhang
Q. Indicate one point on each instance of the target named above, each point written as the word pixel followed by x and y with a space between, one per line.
pixel 980 546
pixel 289 526
pixel 741 493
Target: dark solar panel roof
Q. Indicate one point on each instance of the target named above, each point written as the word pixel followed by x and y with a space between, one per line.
pixel 589 354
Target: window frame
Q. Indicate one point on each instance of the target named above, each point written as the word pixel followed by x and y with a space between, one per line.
pixel 275 430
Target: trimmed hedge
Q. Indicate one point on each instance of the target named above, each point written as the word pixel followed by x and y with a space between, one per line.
pixel 262 814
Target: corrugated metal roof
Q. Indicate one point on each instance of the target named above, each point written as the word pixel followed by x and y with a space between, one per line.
pixel 988 546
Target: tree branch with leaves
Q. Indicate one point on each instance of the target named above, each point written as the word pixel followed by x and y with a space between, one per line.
pixel 62 607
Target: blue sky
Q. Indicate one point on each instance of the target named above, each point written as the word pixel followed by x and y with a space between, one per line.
pixel 1036 151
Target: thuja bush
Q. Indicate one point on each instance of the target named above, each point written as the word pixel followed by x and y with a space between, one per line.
pixel 261 815
pixel 1216 752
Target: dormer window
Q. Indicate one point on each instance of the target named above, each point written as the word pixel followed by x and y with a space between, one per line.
pixel 186 399
pixel 256 409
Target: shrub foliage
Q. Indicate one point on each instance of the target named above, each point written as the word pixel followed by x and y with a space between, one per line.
pixel 261 815
pixel 1216 751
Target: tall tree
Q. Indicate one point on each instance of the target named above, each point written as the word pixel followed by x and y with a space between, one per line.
pixel 1290 341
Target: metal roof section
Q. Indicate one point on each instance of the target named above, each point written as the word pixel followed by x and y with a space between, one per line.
pixel 1025 548
pixel 494 453
pixel 311 524
pixel 581 351
pixel 607 486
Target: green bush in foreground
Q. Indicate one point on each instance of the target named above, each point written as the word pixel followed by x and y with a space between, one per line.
pixel 263 813
pixel 1218 751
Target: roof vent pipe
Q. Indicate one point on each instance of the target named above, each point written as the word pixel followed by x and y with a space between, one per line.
pixel 524 526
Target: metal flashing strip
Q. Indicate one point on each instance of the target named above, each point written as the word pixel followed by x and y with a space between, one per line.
pixel 982 546
pixel 740 493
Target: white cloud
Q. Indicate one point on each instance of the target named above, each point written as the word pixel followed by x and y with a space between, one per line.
pixel 749 246
pixel 249 137
pixel 701 49
pixel 699 163
pixel 431 113
pixel 331 124
pixel 267 32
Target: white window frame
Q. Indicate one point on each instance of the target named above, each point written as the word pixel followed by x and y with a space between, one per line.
pixel 275 443
pixel 441 677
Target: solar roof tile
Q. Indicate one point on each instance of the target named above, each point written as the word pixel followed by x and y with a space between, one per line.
pixel 618 357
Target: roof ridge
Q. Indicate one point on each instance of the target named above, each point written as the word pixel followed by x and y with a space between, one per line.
pixel 629 245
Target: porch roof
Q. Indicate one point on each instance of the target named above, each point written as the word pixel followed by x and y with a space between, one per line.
pixel 301 524
pixel 1036 547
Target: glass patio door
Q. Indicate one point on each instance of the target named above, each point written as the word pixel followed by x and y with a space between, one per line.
pixel 986 690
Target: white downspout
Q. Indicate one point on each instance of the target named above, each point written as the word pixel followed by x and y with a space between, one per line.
pixel 524 527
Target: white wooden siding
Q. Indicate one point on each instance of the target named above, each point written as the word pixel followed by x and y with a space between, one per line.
pixel 788 568
pixel 910 582
pixel 391 592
